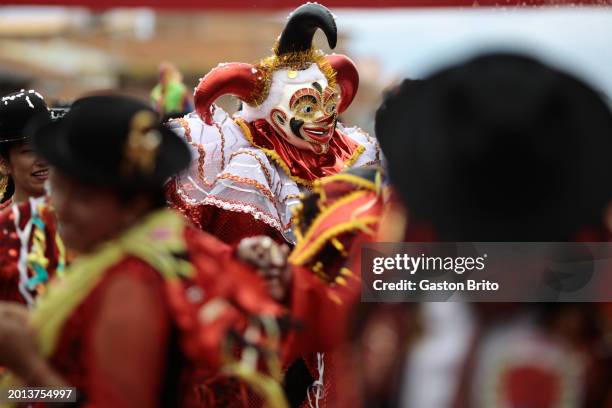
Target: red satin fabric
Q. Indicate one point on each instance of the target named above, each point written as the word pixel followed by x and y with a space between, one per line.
pixel 347 77
pixel 305 164
pixel 236 78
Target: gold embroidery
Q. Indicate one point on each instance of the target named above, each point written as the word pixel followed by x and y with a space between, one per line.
pixel 362 224
pixel 358 152
pixel 293 61
pixel 222 145
pixel 201 151
pixel 292 196
pixel 349 178
pixel 251 182
pixel 201 163
pixel 319 219
pixel 261 163
pixel 142 145
pixel 185 125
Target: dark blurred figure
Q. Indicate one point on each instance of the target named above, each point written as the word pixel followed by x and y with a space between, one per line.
pixel 503 148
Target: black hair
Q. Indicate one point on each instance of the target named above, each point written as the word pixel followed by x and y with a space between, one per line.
pixel 501 148
pixel 5 149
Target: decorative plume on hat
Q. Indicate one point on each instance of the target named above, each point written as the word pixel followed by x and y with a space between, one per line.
pixel 293 51
pixel 16 110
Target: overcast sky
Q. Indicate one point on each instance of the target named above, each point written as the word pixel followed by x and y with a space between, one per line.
pixel 412 42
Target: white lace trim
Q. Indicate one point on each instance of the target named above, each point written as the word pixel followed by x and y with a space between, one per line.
pixel 232 206
pixel 244 208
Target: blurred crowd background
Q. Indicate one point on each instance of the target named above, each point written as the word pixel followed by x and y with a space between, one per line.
pixel 67 51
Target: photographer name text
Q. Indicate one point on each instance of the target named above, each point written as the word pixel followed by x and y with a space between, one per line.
pixel 412 264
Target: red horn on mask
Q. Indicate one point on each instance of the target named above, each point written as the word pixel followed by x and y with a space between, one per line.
pixel 347 78
pixel 235 78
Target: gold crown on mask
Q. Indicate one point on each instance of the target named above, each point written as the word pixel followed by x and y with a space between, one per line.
pixel 293 51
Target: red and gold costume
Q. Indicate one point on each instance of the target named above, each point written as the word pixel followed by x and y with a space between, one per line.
pixel 30 250
pixel 249 170
pixel 343 212
pixel 176 266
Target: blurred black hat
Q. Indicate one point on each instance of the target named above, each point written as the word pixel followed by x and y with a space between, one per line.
pixel 111 140
pixel 16 109
pixel 501 147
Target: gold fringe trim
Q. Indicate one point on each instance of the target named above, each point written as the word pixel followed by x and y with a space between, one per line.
pixel 348 178
pixel 296 61
pixel 319 219
pixel 201 151
pixel 358 152
pixel 344 271
pixel 246 130
pixel 264 190
pixel 215 124
pixel 258 159
pixel 271 154
pixel 361 224
pixel 186 129
pixel 334 297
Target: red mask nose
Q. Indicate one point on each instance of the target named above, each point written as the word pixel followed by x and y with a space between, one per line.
pixel 326 121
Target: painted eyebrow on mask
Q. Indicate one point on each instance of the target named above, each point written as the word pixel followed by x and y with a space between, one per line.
pixel 303 92
pixel 318 87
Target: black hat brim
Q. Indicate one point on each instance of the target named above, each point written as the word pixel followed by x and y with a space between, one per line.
pixel 12 137
pixel 50 142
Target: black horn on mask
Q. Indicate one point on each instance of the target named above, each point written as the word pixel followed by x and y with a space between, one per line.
pixel 301 26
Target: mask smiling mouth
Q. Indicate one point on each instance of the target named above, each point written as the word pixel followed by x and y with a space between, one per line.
pixel 318 134
pixel 321 131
